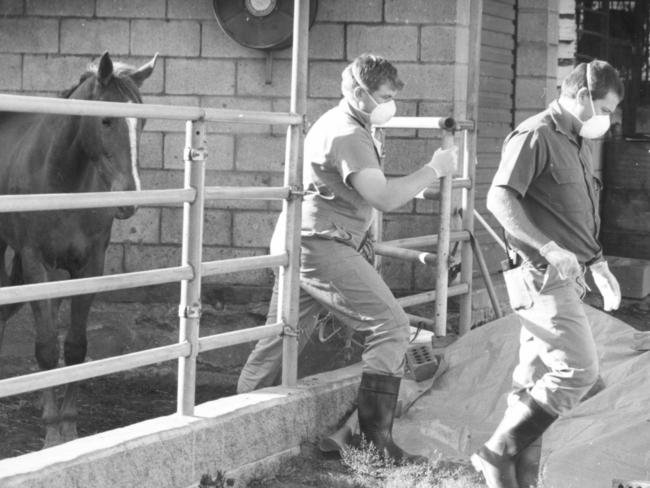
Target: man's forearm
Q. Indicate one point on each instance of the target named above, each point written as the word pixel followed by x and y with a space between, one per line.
pixel 505 206
pixel 401 190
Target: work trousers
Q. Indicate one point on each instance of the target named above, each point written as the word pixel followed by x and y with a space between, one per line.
pixel 336 278
pixel 558 361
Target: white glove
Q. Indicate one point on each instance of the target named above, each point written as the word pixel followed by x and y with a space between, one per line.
pixel 607 285
pixel 564 261
pixel 444 161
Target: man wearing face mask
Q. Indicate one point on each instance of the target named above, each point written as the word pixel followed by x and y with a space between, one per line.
pixel 343 182
pixel 545 196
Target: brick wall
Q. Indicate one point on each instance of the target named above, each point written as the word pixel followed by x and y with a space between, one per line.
pixel 46 45
pixel 520 68
pixel 567 51
pixel 537 56
pixel 567 38
pixel 496 106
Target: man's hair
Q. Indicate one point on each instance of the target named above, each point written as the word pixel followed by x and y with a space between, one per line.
pixel 603 79
pixel 370 71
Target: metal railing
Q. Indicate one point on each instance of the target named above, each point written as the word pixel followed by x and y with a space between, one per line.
pixel 406 248
pixel 192 198
pixel 192 268
pixel 411 248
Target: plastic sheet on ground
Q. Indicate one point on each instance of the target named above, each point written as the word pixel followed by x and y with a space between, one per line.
pixel 605 437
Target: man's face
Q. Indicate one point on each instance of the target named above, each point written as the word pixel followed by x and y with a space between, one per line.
pixel 368 101
pixel 601 106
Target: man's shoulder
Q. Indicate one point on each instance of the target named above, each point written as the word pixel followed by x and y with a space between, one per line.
pixel 337 125
pixel 542 121
pixel 337 131
pixel 338 120
pixel 540 126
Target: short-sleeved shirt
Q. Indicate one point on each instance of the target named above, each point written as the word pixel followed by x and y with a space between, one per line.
pixel 550 166
pixel 339 144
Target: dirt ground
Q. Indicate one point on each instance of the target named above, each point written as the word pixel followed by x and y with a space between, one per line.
pixel 125 398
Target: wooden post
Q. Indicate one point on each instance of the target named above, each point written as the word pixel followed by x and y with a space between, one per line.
pixel 189 309
pixel 289 277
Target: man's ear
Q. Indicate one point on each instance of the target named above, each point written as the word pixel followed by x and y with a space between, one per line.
pixel 583 95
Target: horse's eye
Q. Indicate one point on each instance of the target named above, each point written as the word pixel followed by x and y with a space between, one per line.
pixel 106 122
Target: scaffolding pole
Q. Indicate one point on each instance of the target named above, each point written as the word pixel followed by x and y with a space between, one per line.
pixel 399 248
pixel 469 169
pixel 442 266
pixel 189 310
pixel 289 277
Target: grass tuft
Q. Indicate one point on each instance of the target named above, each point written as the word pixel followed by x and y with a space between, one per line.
pixel 368 469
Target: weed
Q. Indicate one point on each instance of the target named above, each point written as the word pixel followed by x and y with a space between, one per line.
pixel 370 470
pixel 219 481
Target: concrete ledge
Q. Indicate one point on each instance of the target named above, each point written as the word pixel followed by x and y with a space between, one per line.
pixel 245 436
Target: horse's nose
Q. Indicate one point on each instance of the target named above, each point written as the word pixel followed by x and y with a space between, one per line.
pixel 123 213
pixel 123 184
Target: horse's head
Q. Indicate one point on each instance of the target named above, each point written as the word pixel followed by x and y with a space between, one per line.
pixel 111 143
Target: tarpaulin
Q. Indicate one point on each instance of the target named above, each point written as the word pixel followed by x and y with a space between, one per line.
pixel 605 437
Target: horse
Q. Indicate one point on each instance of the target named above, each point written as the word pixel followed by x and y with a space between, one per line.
pixel 50 153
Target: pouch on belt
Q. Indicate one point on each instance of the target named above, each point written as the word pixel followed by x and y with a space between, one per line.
pixel 518 290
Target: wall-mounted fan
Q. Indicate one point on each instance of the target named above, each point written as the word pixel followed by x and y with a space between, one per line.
pixel 259 24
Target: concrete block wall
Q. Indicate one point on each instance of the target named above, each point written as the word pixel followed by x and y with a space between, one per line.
pixel 537 56
pixel 528 47
pixel 567 52
pixel 46 45
pixel 496 108
pixel 567 38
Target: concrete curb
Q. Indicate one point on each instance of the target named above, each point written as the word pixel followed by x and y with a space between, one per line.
pixel 245 436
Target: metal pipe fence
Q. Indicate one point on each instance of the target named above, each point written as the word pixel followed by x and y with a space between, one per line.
pixel 410 248
pixel 46 105
pixel 188 273
pixel 192 198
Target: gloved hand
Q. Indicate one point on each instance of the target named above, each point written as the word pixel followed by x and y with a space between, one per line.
pixel 564 261
pixel 607 285
pixel 444 161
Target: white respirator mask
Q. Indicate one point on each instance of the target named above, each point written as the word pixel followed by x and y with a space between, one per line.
pixel 597 125
pixel 382 112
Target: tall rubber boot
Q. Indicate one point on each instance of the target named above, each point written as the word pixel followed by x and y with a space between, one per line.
pixel 522 423
pixel 376 406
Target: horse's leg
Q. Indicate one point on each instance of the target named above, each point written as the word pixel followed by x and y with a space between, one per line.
pixel 46 344
pixel 74 352
pixel 4 277
pixel 75 344
pixel 14 278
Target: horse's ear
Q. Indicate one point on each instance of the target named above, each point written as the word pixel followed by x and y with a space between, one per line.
pixel 105 70
pixel 144 71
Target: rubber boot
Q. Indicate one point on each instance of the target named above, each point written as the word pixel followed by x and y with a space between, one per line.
pixel 342 437
pixel 376 407
pixel 522 423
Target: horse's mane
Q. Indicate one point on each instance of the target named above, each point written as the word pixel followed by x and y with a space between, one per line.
pixel 121 78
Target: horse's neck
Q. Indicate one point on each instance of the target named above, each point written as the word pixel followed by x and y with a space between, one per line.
pixel 64 160
pixel 36 148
